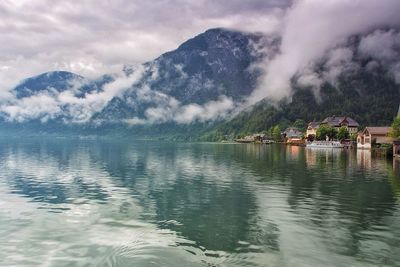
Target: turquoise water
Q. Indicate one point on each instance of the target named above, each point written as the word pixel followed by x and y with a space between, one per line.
pixel 134 203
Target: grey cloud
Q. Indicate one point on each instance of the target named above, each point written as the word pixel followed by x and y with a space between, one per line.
pixel 49 104
pixel 95 37
pixel 383 46
pixel 91 37
pixel 311 28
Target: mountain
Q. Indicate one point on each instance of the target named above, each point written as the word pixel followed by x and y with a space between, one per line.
pixel 217 63
pixel 59 81
pixel 345 81
pixel 213 64
pixel 55 80
pixel 366 88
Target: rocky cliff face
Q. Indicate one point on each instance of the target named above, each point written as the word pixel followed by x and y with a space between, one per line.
pixel 215 63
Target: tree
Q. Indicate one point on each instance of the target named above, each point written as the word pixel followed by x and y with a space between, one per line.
pixel 395 132
pixel 276 133
pixel 326 130
pixel 300 124
pixel 343 133
pixel 353 137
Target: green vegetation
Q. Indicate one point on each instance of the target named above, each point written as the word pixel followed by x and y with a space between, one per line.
pixel 343 133
pixel 353 137
pixel 276 133
pixel 300 124
pixel 395 132
pixel 369 98
pixel 326 131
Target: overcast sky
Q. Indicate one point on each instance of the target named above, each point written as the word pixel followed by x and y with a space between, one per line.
pixel 94 37
pixel 91 37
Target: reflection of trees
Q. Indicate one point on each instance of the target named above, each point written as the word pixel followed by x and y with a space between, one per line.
pixel 394 176
pixel 38 168
pixel 329 189
pixel 215 209
pixel 211 194
pixel 348 197
pixel 191 185
pixel 216 218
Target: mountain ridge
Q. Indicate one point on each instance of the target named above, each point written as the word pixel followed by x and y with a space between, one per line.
pixel 218 63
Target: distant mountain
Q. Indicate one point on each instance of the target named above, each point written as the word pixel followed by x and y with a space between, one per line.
pixel 217 63
pixel 59 81
pixel 55 80
pixel 214 63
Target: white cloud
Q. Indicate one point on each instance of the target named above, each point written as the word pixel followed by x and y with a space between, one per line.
pixel 311 28
pixel 48 103
pixel 97 37
pixel 173 111
pixel 93 37
pixel 211 110
pixel 42 106
pixel 383 46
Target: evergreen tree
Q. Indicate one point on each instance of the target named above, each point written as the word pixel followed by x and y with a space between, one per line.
pixel 395 132
pixel 276 133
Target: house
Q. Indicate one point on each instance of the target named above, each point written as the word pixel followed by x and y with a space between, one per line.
pixel 259 138
pixel 255 138
pixel 337 122
pixel 371 135
pixel 293 136
pixel 312 129
pixel 246 139
pixel 333 121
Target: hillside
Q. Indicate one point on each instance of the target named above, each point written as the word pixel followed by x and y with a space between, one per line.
pixel 352 79
pixel 213 64
pixel 369 95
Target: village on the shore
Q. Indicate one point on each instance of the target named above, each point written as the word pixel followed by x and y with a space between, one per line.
pixel 336 132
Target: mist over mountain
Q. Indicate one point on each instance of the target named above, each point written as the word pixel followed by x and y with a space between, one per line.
pixel 201 88
pixel 57 80
pixel 213 66
pixel 201 80
pixel 358 78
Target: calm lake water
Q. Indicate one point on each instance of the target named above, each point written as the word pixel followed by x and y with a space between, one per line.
pixel 130 203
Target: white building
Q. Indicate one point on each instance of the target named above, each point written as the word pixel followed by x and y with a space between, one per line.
pixel 371 135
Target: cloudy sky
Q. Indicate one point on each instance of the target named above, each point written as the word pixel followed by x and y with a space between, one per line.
pixel 91 37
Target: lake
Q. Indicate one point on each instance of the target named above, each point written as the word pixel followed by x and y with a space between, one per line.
pixel 66 202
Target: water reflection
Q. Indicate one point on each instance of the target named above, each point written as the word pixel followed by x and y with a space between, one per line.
pixel 120 203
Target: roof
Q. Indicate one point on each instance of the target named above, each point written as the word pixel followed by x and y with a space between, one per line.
pixel 378 130
pixel 314 124
pixel 338 121
pixel 293 132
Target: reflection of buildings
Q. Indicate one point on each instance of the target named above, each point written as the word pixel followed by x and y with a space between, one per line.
pixel 396 166
pixel 315 155
pixel 364 158
pixel 293 152
pixel 311 157
pixel 394 177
